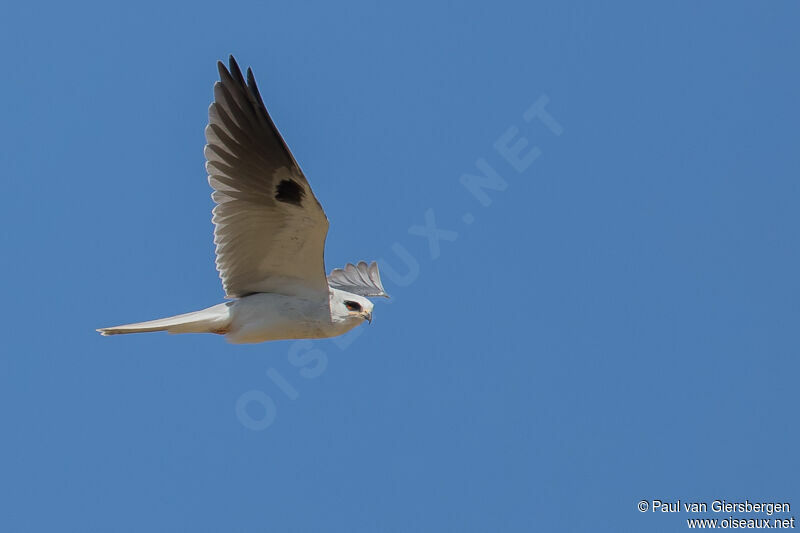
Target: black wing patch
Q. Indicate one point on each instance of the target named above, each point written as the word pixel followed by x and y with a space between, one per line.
pixel 290 192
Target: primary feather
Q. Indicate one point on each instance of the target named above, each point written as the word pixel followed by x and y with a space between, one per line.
pixel 360 279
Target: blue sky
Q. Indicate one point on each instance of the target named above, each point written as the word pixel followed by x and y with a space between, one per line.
pixel 618 323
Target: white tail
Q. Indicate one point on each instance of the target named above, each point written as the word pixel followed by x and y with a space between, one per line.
pixel 215 319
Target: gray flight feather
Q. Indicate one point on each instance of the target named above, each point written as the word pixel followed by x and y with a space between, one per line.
pixel 361 279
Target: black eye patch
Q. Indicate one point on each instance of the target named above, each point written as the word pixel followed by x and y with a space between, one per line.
pixel 352 306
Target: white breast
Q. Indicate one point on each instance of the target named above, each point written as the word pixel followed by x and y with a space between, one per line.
pixel 266 317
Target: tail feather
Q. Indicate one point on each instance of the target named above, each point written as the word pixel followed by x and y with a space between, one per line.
pixel 215 319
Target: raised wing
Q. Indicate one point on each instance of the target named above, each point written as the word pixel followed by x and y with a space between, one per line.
pixel 269 228
pixel 361 279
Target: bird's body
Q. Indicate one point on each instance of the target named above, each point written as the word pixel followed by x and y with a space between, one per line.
pixel 261 317
pixel 270 235
pixel 268 316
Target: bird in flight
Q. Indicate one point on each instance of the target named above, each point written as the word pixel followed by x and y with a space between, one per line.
pixel 269 232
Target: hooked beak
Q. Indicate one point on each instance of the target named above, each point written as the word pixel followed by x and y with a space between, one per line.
pixel 368 316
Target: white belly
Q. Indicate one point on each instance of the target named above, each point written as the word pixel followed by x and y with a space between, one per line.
pixel 269 317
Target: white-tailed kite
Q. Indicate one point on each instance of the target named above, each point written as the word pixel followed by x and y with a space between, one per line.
pixel 269 232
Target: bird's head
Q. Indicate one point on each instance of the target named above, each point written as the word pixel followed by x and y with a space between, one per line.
pixel 347 307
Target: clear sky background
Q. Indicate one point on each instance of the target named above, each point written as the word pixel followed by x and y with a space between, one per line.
pixel 620 323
